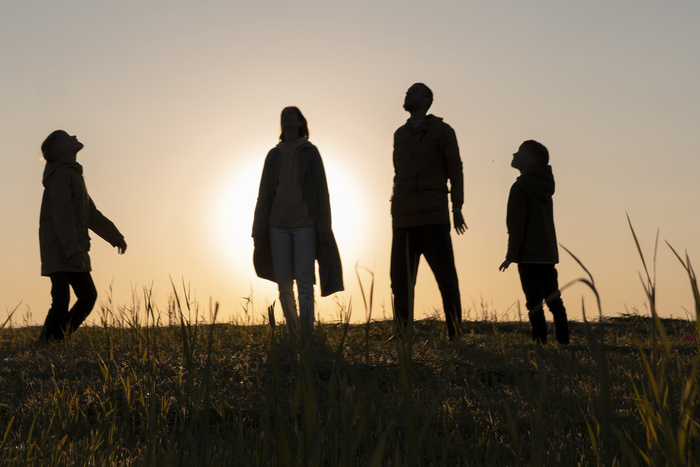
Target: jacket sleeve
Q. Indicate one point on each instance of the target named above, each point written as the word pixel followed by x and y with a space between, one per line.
pixel 454 167
pixel 102 226
pixel 318 174
pixel 516 217
pixel 63 213
pixel 262 206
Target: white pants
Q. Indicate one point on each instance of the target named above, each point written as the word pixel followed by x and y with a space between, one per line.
pixel 293 257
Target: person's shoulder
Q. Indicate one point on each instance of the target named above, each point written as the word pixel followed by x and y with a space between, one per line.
pixel 272 153
pixel 439 122
pixel 518 187
pixel 406 127
pixel 308 145
pixel 439 125
pixel 309 148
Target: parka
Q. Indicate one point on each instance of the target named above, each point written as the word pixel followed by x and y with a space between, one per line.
pixel 67 212
pixel 425 158
pixel 530 218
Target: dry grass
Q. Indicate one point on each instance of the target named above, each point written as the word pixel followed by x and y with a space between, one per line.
pixel 244 395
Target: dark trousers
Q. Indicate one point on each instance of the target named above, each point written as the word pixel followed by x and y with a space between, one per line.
pixel 59 321
pixel 433 242
pixel 540 284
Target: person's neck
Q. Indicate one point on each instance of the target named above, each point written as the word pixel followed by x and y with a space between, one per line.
pixel 290 136
pixel 418 115
pixel 67 157
pixel 528 169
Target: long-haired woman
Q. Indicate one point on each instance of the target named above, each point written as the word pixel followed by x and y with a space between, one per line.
pixel 292 222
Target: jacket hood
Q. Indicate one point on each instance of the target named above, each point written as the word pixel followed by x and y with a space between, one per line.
pixel 539 181
pixel 52 167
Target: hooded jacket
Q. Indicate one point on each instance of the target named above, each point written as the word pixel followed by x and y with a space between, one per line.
pixel 425 158
pixel 67 212
pixel 530 218
pixel 314 187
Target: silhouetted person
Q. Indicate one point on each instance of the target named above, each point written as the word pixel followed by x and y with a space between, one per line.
pixel 67 212
pixel 292 225
pixel 532 240
pixel 426 156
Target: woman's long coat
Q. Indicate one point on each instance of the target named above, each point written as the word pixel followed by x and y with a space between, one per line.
pixel 314 187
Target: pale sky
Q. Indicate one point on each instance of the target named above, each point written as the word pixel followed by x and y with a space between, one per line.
pixel 178 102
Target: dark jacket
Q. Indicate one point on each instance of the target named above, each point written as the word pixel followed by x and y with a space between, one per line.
pixel 530 218
pixel 424 160
pixel 67 212
pixel 314 187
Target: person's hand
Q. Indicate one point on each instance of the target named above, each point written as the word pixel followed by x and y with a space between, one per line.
pixel 504 265
pixel 79 261
pixel 460 225
pixel 121 247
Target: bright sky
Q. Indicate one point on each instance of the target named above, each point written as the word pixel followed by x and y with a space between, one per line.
pixel 177 103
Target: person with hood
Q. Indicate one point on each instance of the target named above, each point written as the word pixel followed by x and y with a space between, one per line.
pixel 426 157
pixel 532 240
pixel 67 212
pixel 292 223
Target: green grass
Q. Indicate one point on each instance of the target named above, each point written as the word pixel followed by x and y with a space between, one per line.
pixel 177 388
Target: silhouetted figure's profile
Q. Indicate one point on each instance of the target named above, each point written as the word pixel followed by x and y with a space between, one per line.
pixel 532 240
pixel 67 212
pixel 426 156
pixel 292 225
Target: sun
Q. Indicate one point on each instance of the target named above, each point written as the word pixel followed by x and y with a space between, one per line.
pixel 235 194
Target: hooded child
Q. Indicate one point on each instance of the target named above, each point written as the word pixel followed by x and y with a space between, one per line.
pixel 532 240
pixel 67 212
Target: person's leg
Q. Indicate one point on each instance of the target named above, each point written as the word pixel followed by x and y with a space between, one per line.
pixel 530 278
pixel 550 289
pixel 57 317
pixel 403 273
pixel 282 250
pixel 86 294
pixel 437 249
pixel 305 274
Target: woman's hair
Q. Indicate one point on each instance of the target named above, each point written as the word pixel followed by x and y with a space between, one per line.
pixel 304 129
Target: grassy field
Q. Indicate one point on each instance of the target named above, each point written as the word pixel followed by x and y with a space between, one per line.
pixel 225 394
pixel 178 389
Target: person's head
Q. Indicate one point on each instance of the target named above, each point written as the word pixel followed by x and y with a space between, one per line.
pixel 419 97
pixel 293 121
pixel 59 145
pixel 530 154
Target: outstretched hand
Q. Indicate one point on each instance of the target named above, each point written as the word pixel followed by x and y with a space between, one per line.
pixel 460 225
pixel 504 265
pixel 121 247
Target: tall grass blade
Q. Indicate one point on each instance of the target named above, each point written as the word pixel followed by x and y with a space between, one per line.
pixel 9 316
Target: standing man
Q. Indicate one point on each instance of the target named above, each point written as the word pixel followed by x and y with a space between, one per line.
pixel 426 156
pixel 67 212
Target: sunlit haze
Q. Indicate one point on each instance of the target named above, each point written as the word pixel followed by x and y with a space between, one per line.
pixel 178 102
